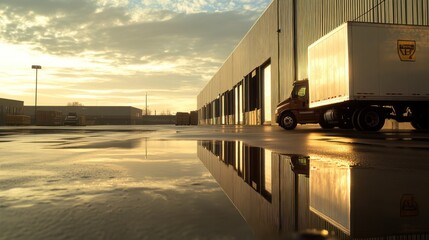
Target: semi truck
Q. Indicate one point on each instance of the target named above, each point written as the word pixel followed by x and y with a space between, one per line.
pixel 361 74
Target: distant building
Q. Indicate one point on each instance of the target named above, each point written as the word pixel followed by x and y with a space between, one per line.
pixel 158 120
pixel 182 118
pixel 187 118
pixel 95 115
pixel 9 107
pixel 193 118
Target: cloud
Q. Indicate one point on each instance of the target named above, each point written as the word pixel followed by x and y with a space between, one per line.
pixel 171 45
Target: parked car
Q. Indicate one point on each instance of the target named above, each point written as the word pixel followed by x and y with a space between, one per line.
pixel 71 119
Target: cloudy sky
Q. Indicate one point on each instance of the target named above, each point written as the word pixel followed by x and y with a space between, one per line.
pixel 113 52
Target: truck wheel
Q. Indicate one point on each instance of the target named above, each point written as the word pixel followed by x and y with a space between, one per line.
pixel 370 119
pixel 325 125
pixel 355 121
pixel 288 121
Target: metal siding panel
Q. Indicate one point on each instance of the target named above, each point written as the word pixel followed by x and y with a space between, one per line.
pixel 240 63
pixel 225 76
pixel 286 61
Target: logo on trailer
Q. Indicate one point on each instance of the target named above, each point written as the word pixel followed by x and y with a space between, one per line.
pixel 407 50
pixel 409 206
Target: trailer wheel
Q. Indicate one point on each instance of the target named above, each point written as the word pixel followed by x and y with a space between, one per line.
pixel 370 119
pixel 324 124
pixel 355 121
pixel 288 121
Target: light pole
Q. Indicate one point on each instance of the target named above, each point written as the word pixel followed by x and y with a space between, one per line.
pixel 37 67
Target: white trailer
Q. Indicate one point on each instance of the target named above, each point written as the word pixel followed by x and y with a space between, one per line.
pixel 361 73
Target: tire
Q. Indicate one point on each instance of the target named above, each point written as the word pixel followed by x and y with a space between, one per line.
pixel 371 119
pixel 325 125
pixel 288 121
pixel 355 122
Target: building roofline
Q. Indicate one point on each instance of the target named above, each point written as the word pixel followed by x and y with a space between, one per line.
pixel 239 43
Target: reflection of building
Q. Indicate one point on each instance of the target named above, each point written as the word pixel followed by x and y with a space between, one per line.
pixel 279 193
pixel 11 112
pixel 245 174
pixel 260 71
pixel 98 115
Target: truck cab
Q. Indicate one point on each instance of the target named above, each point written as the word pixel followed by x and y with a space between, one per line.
pixel 295 109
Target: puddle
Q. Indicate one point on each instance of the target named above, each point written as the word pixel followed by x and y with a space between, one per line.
pixel 290 194
pixel 144 190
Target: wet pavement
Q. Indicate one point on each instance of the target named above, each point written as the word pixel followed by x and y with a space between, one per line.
pixel 211 182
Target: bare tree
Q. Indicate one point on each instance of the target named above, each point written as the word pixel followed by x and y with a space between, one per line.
pixel 75 104
pixel 165 112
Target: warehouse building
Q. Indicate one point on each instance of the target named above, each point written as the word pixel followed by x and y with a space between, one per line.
pixel 9 107
pixel 260 72
pixel 11 112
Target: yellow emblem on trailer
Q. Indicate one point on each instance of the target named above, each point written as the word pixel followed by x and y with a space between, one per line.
pixel 407 50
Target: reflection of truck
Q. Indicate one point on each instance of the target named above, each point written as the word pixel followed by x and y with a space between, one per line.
pixel 361 74
pixel 376 202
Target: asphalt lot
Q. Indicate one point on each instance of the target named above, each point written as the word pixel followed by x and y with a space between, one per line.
pixel 137 182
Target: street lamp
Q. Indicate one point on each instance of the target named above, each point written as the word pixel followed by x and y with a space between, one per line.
pixel 37 67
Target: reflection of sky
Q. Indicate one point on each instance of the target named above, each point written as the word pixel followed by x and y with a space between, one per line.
pixel 338 148
pixel 157 189
pixel 330 190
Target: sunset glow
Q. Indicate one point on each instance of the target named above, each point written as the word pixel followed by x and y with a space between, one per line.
pixel 111 53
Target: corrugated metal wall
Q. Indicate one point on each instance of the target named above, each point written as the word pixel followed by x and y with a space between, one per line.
pixel 258 46
pixel 286 50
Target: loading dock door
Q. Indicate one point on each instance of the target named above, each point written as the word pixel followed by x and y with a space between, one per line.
pixel 267 94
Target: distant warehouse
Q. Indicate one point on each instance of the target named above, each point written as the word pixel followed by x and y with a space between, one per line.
pixel 261 70
pixel 11 112
pixel 185 118
pixel 94 115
